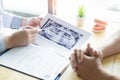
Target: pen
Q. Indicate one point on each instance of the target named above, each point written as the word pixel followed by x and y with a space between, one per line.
pixel 58 76
pixel 38 28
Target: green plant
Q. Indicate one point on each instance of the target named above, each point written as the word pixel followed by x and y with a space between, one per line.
pixel 81 11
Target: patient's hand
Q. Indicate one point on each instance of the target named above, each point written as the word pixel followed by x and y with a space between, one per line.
pixel 88 52
pixel 89 68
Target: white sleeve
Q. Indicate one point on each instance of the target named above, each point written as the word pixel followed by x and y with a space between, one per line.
pixel 11 20
pixel 2 45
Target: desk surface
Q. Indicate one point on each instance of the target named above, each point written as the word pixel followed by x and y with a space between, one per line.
pixel 111 64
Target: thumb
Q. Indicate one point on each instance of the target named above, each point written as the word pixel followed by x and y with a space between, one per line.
pixel 96 54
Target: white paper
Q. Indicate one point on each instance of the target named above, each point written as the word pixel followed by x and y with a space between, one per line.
pixel 34 60
pixel 48 56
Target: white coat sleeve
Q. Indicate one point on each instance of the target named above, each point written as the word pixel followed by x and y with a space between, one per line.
pixel 11 20
pixel 2 45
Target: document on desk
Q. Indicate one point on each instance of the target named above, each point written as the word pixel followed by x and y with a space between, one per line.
pixel 48 55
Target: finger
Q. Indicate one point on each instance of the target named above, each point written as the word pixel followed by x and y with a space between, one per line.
pixel 38 21
pixel 26 27
pixel 96 54
pixel 100 54
pixel 75 53
pixel 88 46
pixel 40 18
pixel 76 62
pixel 33 22
pixel 33 31
pixel 33 40
pixel 90 50
pixel 79 56
pixel 29 27
pixel 86 52
pixel 33 35
pixel 73 61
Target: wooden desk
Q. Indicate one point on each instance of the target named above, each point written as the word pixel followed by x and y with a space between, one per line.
pixel 111 64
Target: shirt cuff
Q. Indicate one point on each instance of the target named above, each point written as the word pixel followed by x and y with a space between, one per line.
pixel 11 21
pixel 16 22
pixel 2 45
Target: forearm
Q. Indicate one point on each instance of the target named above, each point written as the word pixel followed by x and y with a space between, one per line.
pixel 98 74
pixel 112 45
pixel 103 75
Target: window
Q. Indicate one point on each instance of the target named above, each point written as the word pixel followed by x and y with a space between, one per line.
pixel 67 7
pixel 93 9
pixel 64 8
pixel 29 7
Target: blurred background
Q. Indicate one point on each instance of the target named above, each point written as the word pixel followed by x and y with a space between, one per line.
pixel 104 9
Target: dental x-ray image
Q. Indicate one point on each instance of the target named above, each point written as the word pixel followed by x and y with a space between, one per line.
pixel 60 34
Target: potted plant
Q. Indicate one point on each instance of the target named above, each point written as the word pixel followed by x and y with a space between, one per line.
pixel 80 16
